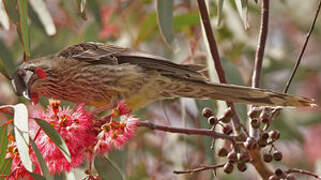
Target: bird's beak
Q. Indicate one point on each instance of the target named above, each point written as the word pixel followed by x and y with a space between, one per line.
pixel 26 93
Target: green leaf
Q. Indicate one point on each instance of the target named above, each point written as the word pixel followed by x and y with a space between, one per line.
pixel 165 19
pixel 41 160
pixel 241 6
pixel 5 168
pixel 82 6
pixel 107 169
pixel 3 143
pixel 6 58
pixel 21 131
pixel 219 11
pixel 37 176
pixel 55 137
pixel 11 9
pixel 23 26
pixel 4 19
pixel 147 28
pixel 186 20
pixel 44 16
pixel 95 9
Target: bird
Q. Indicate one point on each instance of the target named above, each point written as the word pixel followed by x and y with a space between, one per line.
pixel 101 74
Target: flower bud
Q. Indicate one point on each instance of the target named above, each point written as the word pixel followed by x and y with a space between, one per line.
pixel 222 152
pixel 278 172
pixel 212 120
pixel 228 167
pixel 254 112
pixel 250 143
pixel 255 123
pixel 274 134
pixel 207 112
pixel 277 155
pixel 267 157
pixel 241 167
pixel 228 114
pixel 243 157
pixel 232 157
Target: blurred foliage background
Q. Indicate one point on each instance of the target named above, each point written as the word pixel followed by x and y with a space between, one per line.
pixel 134 23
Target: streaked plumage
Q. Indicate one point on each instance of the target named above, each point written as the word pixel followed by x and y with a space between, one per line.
pixel 100 74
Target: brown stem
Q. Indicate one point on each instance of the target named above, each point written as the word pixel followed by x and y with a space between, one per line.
pixel 304 172
pixel 255 154
pixel 200 169
pixel 259 165
pixel 303 49
pixel 191 131
pixel 216 58
pixel 256 77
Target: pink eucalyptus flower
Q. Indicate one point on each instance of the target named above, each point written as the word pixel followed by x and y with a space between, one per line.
pixel 115 134
pixel 75 126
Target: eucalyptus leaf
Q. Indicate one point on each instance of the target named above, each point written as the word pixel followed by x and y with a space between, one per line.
pixel 3 143
pixel 165 19
pixel 37 176
pixel 219 11
pixel 11 9
pixel 4 19
pixel 55 137
pixel 5 168
pixel 45 18
pixel 23 26
pixel 107 169
pixel 21 130
pixel 41 160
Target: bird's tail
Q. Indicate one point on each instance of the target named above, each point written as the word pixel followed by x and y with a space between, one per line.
pixel 240 94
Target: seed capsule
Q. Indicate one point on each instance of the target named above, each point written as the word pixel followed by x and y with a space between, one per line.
pixel 255 123
pixel 212 120
pixel 232 157
pixel 278 172
pixel 277 155
pixel 274 134
pixel 267 158
pixel 228 168
pixel 250 143
pixel 243 157
pixel 241 167
pixel 207 112
pixel 222 152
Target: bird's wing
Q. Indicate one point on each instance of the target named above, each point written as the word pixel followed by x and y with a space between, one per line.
pixel 98 53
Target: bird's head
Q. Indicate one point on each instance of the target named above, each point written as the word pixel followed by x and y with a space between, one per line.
pixel 29 76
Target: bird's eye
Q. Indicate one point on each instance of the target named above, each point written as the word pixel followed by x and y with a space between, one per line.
pixel 21 73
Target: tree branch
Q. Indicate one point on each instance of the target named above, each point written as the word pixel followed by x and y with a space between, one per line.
pixel 304 172
pixel 303 49
pixel 190 131
pixel 216 58
pixel 257 71
pixel 200 169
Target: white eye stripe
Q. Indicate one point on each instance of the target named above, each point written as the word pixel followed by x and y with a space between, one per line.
pixel 27 77
pixel 13 82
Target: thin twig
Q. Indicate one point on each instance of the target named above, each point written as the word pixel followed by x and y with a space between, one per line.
pixel 216 58
pixel 200 169
pixel 255 154
pixel 303 49
pixel 191 131
pixel 304 172
pixel 257 71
